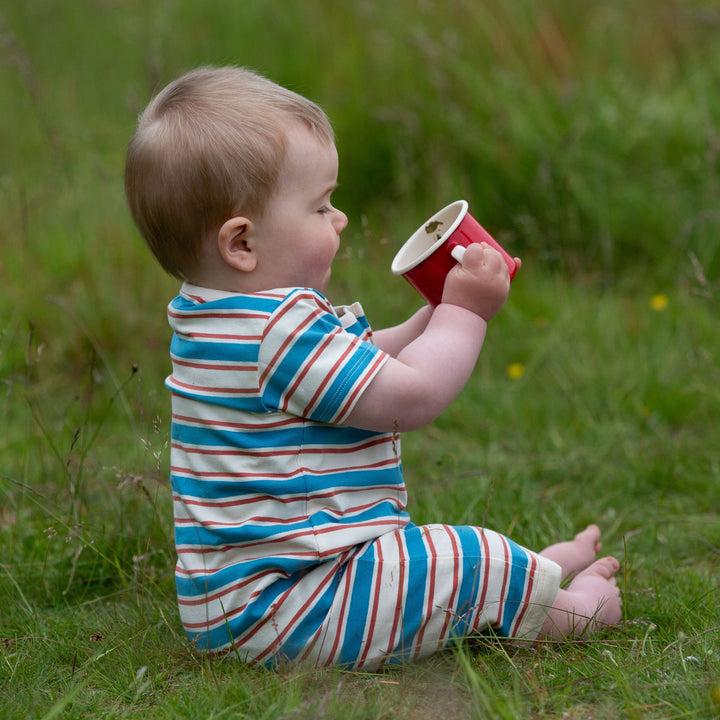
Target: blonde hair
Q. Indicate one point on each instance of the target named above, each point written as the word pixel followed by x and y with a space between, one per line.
pixel 209 146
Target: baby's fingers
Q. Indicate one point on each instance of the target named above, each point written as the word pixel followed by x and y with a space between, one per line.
pixel 473 256
pixel 482 257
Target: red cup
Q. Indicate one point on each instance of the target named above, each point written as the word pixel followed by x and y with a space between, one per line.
pixel 436 246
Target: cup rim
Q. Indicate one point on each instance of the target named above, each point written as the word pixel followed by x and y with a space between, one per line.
pixel 398 269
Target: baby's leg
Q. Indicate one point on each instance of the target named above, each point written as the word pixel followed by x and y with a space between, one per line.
pixel 412 591
pixel 591 601
pixel 576 554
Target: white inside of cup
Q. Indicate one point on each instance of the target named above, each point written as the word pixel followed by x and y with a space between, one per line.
pixel 429 237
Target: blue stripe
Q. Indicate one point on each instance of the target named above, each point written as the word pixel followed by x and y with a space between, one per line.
pixel 365 568
pixel 414 611
pixel 473 567
pixel 247 403
pixel 250 303
pixel 259 438
pixel 300 485
pixel 516 590
pixel 358 327
pixel 199 585
pixel 237 439
pixel 215 351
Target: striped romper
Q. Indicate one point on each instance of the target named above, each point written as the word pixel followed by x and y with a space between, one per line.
pixel 292 536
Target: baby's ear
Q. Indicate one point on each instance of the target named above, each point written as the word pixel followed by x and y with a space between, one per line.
pixel 235 244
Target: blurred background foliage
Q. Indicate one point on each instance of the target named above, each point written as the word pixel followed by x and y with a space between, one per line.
pixel 585 136
pixel 584 133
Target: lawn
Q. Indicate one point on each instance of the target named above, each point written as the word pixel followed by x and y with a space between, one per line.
pixel 586 138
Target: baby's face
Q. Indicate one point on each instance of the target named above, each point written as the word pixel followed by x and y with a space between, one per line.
pixel 299 232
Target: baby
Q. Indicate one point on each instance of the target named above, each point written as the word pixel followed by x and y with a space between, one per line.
pixel 292 535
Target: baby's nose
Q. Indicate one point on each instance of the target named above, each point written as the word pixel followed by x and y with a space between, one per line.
pixel 340 221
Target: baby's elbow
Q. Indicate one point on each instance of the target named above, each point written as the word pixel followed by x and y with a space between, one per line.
pixel 404 413
pixel 417 413
pixel 399 402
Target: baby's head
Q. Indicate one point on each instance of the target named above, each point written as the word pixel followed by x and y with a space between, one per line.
pixel 210 146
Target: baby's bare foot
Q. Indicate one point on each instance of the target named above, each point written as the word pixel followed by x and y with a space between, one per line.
pixel 575 555
pixel 591 601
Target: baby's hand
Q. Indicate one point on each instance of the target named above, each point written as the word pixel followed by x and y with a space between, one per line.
pixel 481 284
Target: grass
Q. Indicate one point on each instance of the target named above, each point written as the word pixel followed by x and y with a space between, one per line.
pixel 586 138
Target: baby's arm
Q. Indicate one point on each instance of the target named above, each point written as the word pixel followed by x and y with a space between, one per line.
pixel 393 339
pixel 413 388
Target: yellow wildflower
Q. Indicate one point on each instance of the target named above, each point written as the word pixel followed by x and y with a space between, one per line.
pixel 515 370
pixel 659 302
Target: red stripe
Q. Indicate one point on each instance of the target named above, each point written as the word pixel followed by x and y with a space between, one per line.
pixel 275 451
pixel 455 583
pixel 375 605
pixel 205 390
pixel 486 571
pixel 429 601
pixel 176 469
pixel 218 336
pixel 314 298
pixel 236 425
pixel 222 315
pixel 194 522
pixel 208 474
pixel 200 365
pixel 399 604
pixel 227 452
pixel 194 298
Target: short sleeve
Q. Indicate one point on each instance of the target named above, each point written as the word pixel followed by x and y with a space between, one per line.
pixel 310 363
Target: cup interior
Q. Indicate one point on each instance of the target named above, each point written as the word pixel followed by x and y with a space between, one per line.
pixel 429 237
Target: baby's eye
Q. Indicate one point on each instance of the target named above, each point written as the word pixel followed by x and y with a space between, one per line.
pixel 325 209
